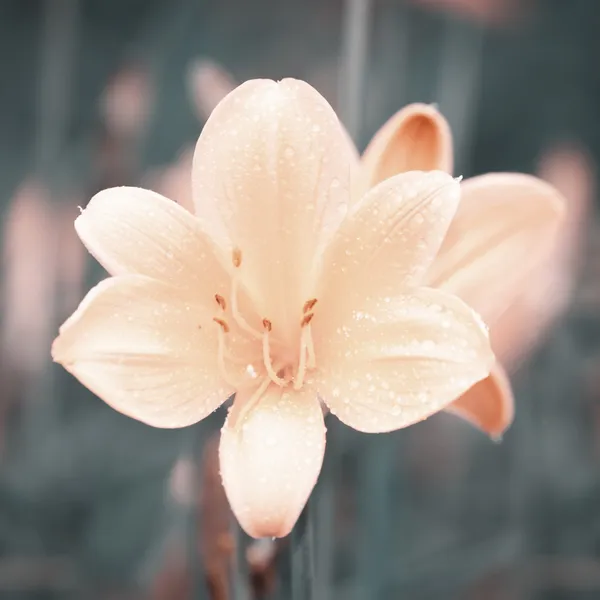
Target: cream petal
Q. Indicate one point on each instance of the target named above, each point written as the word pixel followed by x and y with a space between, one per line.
pixel 505 225
pixel 417 138
pixel 398 360
pixel 146 352
pixel 272 179
pixel 388 241
pixel 135 231
pixel 271 459
pixel 489 405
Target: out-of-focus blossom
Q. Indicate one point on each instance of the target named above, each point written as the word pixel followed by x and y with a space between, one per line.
pixel 174 181
pixel 208 84
pixel 284 289
pixel 29 262
pixel 488 12
pixel 503 234
pixel 71 259
pixel 126 102
pixel 568 168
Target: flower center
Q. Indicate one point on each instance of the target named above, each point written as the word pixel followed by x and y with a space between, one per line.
pixel 278 368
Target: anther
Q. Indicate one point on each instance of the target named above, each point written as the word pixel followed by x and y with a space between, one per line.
pixel 236 257
pixel 271 372
pixel 308 305
pixel 307 319
pixel 222 323
pixel 221 301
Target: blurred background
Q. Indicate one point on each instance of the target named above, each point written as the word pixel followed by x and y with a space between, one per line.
pixel 97 93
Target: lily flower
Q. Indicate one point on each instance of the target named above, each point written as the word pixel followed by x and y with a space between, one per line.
pixel 502 235
pixel 279 289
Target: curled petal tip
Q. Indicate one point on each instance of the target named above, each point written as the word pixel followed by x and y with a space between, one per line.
pixel 488 405
pixel 416 138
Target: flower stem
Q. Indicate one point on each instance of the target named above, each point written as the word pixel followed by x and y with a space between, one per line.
pixel 376 511
pixel 303 556
pixel 238 577
pixel 197 573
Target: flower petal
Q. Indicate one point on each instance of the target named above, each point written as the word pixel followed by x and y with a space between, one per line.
pixel 389 239
pixel 417 138
pixel 272 178
pixel 503 229
pixel 489 404
pixel 147 353
pixel 271 459
pixel 522 326
pixel 399 360
pixel 135 231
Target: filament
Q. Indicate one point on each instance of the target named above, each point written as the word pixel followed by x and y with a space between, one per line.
pixel 252 401
pixel 235 311
pixel 267 359
pixel 310 347
pixel 300 374
pixel 221 355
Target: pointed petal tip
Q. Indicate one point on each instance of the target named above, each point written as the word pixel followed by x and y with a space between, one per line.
pixel 55 351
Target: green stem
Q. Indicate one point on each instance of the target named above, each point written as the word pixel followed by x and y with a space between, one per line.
pixel 238 577
pixel 303 557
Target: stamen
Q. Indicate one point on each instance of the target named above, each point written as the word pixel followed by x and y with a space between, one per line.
pixel 235 311
pixel 307 319
pixel 222 323
pixel 310 347
pixel 300 374
pixel 221 302
pixel 236 257
pixel 223 329
pixel 307 350
pixel 267 355
pixel 309 305
pixel 252 401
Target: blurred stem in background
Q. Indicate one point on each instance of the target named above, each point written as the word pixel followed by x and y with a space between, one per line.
pixel 354 52
pixel 57 50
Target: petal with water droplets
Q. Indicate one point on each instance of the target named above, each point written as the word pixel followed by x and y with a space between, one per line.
pixel 272 178
pixel 398 360
pixel 135 231
pixel 144 351
pixel 271 458
pixel 388 241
